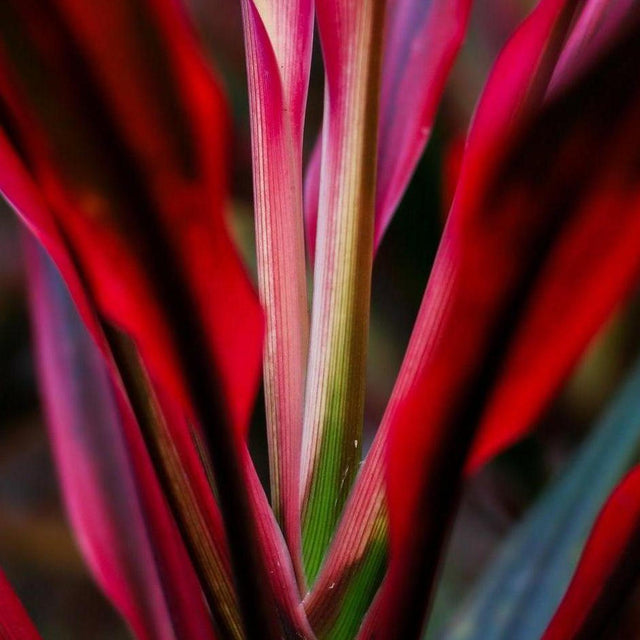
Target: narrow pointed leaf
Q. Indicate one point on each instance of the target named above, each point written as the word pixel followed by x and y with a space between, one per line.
pixel 488 127
pixel 278 39
pixel 608 568
pixel 186 466
pixel 126 144
pixel 513 242
pixel 535 370
pixel 25 199
pixel 114 114
pixel 422 39
pixel 14 621
pixel 520 591
pixel 99 486
pixel 504 97
pixel 351 36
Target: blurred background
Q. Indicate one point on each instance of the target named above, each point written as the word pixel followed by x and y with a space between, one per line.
pixel 37 550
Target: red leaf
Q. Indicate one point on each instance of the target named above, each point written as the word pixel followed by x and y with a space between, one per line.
pixel 129 170
pixel 117 511
pixel 589 273
pixel 545 226
pixel 121 127
pixel 607 569
pixel 14 621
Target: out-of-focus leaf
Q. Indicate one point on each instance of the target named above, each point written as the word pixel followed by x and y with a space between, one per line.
pixel 132 547
pixel 505 96
pixel 608 568
pixel 14 621
pixel 121 126
pixel 521 589
pixel 122 129
pixel 538 365
pixel 539 248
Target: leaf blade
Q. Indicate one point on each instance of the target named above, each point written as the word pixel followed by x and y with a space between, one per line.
pixel 422 40
pixel 522 267
pixel 334 399
pixel 102 494
pixel 278 39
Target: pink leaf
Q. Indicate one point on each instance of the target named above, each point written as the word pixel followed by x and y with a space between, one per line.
pixel 422 41
pixel 132 546
pixel 278 38
pixel 122 128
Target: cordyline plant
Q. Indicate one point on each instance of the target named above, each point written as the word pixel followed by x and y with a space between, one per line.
pixel 113 152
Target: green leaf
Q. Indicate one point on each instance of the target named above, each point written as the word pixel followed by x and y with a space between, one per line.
pixel 518 594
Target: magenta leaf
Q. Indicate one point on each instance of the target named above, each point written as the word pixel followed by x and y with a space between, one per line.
pixel 131 546
pixel 121 128
pixel 278 38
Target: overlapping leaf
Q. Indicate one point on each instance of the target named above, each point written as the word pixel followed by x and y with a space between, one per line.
pixel 422 39
pixel 278 38
pixel 334 401
pixel 518 245
pixel 503 98
pixel 119 126
pixel 133 548
pixel 129 153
